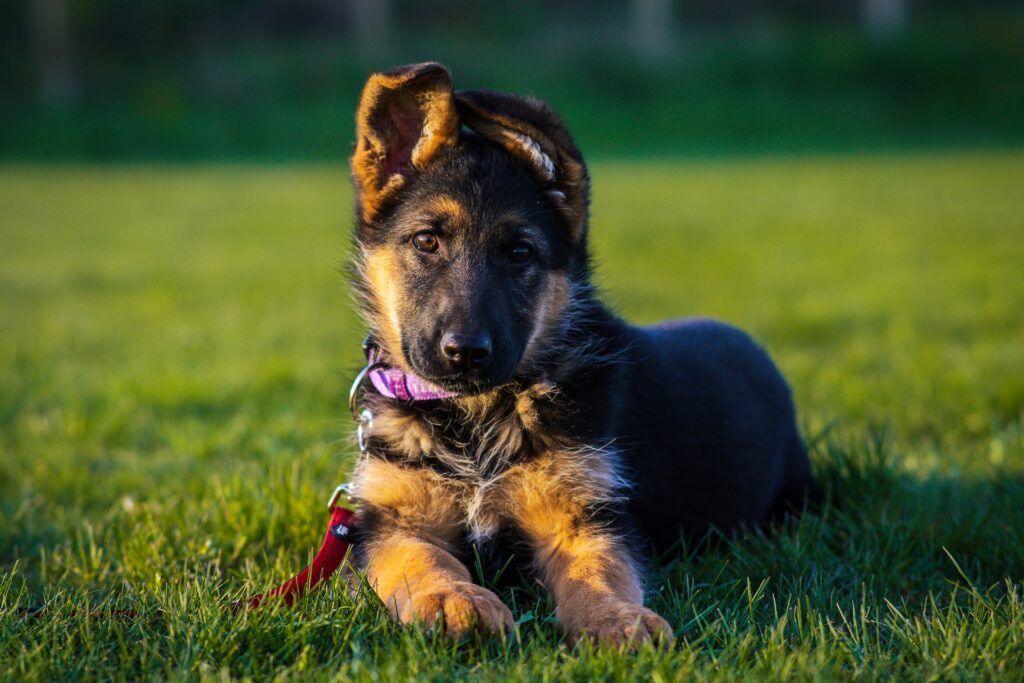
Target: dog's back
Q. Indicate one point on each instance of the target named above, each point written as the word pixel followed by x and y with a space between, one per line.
pixel 706 430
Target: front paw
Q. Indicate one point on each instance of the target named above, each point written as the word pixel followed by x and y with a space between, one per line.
pixel 460 607
pixel 617 624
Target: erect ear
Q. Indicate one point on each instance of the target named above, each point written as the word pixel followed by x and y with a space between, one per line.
pixel 405 116
pixel 533 132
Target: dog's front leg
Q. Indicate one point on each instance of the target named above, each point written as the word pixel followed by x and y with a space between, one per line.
pixel 421 582
pixel 410 521
pixel 596 586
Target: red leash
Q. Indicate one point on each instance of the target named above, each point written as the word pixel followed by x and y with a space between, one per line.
pixel 336 541
pixel 327 560
pixel 332 551
pixel 325 563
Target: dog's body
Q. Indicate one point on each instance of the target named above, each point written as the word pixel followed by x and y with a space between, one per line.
pixel 561 432
pixel 705 427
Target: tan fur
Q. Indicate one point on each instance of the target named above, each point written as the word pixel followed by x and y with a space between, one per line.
pixel 421 95
pixel 597 590
pixel 418 499
pixel 506 427
pixel 382 271
pixel 420 583
pixel 450 208
pixel 403 432
pixel 410 565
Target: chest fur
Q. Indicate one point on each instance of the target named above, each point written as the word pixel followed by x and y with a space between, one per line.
pixel 474 439
pixel 558 489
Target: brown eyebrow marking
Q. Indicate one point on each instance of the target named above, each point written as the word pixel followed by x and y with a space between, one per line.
pixel 450 207
pixel 514 222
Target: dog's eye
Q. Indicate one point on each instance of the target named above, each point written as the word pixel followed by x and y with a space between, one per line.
pixel 426 241
pixel 521 253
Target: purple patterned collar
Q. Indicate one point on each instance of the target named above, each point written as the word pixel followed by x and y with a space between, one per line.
pixel 392 382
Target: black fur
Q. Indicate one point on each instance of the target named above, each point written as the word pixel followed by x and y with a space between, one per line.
pixel 699 419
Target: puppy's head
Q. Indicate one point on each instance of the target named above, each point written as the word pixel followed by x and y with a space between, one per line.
pixel 472 213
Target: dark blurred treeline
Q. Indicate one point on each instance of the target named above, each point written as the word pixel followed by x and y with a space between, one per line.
pixel 278 79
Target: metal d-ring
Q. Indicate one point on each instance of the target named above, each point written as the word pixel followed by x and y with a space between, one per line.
pixel 342 490
pixel 363 417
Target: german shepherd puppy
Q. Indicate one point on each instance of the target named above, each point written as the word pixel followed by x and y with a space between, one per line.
pixel 553 429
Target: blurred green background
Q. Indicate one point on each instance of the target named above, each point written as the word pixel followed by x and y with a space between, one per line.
pixel 278 79
pixel 843 179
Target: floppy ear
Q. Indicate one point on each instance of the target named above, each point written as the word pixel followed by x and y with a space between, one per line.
pixel 532 131
pixel 405 116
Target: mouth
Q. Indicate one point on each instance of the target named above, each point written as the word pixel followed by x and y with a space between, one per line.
pixel 459 384
pixel 462 384
pixel 473 383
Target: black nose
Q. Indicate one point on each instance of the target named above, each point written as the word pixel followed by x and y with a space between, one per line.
pixel 466 351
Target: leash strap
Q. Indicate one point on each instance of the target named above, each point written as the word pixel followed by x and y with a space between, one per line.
pixel 326 561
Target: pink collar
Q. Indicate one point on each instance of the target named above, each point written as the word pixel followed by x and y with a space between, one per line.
pixel 392 382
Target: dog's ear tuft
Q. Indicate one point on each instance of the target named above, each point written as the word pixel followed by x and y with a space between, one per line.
pixel 405 116
pixel 530 130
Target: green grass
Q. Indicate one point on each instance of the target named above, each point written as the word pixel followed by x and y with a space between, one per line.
pixel 176 344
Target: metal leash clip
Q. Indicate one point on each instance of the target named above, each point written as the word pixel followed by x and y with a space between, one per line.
pixel 342 490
